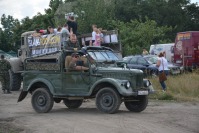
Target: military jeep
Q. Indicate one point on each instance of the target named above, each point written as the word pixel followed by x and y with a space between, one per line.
pixel 49 79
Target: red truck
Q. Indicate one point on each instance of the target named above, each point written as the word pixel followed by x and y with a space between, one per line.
pixel 186 49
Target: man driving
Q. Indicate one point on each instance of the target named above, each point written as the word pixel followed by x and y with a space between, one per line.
pixel 76 64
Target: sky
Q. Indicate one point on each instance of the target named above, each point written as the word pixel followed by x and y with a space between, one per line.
pixel 19 9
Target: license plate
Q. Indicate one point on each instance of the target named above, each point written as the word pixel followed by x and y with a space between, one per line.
pixel 143 92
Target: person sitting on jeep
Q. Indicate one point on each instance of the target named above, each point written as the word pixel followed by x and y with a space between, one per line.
pixel 72 44
pixel 76 63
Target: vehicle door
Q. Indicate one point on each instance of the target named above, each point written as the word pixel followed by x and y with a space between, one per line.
pixel 76 82
pixel 133 63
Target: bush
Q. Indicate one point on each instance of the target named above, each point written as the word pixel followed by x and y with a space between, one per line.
pixel 183 87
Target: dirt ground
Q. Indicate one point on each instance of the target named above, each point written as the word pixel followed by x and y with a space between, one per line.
pixel 159 117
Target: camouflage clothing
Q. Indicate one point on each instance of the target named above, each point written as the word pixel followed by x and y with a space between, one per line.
pixel 70 46
pixel 4 74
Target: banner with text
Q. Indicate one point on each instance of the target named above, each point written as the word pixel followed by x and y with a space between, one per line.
pixel 44 44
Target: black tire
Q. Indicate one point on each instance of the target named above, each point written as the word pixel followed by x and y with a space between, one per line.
pixel 42 100
pixel 57 100
pixel 72 104
pixel 108 100
pixel 15 81
pixel 138 105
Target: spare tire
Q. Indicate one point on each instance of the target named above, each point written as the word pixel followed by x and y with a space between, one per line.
pixel 15 81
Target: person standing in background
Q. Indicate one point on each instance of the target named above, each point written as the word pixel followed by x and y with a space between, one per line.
pixel 72 24
pixel 94 27
pixel 97 38
pixel 4 75
pixel 145 52
pixel 162 65
pixel 101 35
pixel 59 29
pixel 65 34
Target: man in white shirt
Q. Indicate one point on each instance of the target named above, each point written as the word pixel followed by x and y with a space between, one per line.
pixel 65 34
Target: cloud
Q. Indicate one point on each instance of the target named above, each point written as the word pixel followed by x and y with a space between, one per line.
pixel 22 8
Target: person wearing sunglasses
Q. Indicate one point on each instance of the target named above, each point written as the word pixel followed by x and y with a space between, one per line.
pixel 76 63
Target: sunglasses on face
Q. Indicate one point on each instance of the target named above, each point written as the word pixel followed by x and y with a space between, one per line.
pixel 76 56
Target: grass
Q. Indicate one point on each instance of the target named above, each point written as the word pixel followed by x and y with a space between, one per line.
pixel 184 87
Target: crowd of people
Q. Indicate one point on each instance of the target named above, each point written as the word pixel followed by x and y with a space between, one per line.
pixel 97 36
pixel 69 34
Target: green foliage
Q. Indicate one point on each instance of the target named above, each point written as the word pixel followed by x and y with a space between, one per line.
pixel 50 12
pixel 90 12
pixel 137 35
pixel 6 36
pixel 184 87
pixel 141 22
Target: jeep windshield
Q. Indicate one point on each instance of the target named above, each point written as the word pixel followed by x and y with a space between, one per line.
pixel 103 56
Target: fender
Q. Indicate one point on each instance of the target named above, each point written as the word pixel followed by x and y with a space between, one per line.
pixel 46 82
pixel 24 93
pixel 118 84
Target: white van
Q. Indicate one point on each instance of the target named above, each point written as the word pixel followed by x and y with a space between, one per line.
pixel 156 49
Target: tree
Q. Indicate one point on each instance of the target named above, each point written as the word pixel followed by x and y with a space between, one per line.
pixel 192 17
pixel 8 23
pixel 90 12
pixel 137 35
pixel 50 12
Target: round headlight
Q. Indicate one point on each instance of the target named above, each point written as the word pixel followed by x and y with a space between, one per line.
pixel 147 83
pixel 128 85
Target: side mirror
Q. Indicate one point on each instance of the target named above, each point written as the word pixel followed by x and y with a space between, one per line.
pixel 19 53
pixel 122 64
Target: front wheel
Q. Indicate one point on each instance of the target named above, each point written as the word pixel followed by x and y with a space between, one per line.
pixel 73 104
pixel 42 100
pixel 108 100
pixel 138 104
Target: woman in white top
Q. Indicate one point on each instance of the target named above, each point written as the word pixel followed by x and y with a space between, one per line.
pixel 162 65
pixel 93 34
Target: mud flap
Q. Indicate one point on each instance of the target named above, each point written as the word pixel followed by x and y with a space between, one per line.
pixel 22 95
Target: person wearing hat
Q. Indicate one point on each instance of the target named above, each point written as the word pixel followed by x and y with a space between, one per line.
pixel 76 64
pixel 4 75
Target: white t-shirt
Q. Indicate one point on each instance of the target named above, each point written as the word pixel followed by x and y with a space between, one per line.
pixel 163 62
pixel 93 35
pixel 65 34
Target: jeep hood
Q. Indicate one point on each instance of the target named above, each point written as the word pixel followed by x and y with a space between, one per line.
pixel 135 76
pixel 118 70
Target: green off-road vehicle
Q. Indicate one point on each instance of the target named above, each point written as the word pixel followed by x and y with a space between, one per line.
pixel 49 79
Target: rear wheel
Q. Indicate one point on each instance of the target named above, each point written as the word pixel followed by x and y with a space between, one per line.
pixel 42 100
pixel 108 100
pixel 15 81
pixel 57 100
pixel 73 104
pixel 138 104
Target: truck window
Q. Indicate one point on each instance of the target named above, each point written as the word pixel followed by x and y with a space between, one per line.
pixel 22 41
pixel 133 60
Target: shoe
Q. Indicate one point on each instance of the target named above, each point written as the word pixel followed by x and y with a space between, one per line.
pixel 4 91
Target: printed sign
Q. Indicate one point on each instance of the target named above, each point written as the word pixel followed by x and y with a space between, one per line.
pixel 184 36
pixel 44 44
